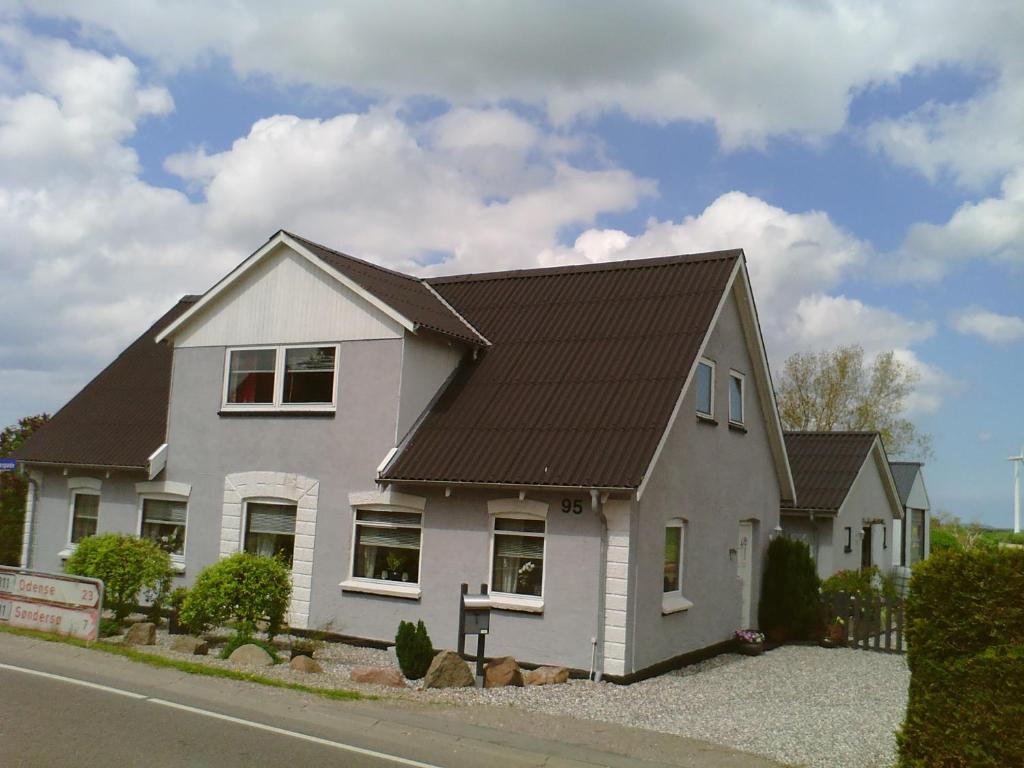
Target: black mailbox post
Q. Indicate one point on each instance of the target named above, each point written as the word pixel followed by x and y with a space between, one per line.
pixel 474 619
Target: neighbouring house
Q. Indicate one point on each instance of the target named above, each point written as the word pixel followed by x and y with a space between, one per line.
pixel 599 444
pixel 914 545
pixel 847 500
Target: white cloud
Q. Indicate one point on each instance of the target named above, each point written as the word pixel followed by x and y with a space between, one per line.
pixel 793 72
pixel 991 229
pixel 991 326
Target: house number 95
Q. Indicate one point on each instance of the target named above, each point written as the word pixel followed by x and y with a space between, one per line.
pixel 572 505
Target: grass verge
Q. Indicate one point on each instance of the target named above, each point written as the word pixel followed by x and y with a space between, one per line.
pixel 191 667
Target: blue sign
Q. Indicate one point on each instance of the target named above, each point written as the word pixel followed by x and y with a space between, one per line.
pixel 8 465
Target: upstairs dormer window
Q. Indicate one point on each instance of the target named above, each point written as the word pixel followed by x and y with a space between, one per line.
pixel 281 378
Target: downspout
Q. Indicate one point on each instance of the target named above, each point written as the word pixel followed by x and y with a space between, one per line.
pixel 597 652
pixel 30 508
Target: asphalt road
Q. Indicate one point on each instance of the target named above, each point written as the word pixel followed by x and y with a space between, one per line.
pixel 46 722
pixel 62 705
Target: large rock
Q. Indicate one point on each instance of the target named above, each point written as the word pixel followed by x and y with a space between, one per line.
pixel 187 644
pixel 546 676
pixel 143 633
pixel 250 655
pixel 447 670
pixel 305 664
pixel 378 676
pixel 501 672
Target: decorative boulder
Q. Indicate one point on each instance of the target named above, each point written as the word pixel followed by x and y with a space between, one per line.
pixel 187 644
pixel 547 676
pixel 143 633
pixel 305 664
pixel 448 670
pixel 378 676
pixel 250 655
pixel 502 672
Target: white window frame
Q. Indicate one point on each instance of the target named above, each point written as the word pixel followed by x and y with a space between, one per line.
pixel 515 509
pixel 711 364
pixel 675 601
pixel 75 493
pixel 177 561
pixel 380 586
pixel 244 522
pixel 742 379
pixel 278 404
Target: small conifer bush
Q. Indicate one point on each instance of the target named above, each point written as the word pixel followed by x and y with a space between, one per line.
pixel 414 649
pixel 789 608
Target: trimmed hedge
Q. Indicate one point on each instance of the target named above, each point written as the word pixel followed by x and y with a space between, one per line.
pixel 127 565
pixel 965 635
pixel 789 593
pixel 414 649
pixel 243 588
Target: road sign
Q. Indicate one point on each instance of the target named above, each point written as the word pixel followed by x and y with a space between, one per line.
pixel 8 465
pixel 51 602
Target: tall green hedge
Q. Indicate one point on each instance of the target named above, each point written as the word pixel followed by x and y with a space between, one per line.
pixel 789 607
pixel 965 636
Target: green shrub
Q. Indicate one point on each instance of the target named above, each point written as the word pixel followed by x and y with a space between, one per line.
pixel 965 636
pixel 244 589
pixel 868 582
pixel 943 539
pixel 789 607
pixel 127 565
pixel 244 638
pixel 414 649
pixel 110 627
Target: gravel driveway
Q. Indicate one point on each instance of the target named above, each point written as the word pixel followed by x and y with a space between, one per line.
pixel 799 705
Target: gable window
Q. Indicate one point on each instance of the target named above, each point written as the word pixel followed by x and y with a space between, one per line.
pixel 270 529
pixel 286 377
pixel 85 515
pixel 736 382
pixel 517 566
pixel 387 546
pixel 674 568
pixel 706 388
pixel 163 522
pixel 848 547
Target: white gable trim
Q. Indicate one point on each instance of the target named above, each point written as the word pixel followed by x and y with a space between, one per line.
pixel 739 281
pixel 238 272
pixel 877 453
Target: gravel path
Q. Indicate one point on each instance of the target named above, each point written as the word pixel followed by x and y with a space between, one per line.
pixel 800 705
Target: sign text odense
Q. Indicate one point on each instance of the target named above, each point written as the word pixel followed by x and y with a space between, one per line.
pixel 50 602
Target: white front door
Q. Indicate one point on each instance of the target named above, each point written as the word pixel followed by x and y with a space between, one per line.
pixel 745 569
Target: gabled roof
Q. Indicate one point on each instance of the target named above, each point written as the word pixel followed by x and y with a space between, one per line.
pixel 407 300
pixel 904 473
pixel 586 367
pixel 826 464
pixel 120 418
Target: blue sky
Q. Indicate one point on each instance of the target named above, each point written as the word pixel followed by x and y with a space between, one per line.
pixel 868 158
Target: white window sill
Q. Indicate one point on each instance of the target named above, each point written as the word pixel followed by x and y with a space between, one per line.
pixel 674 604
pixel 388 589
pixel 178 566
pixel 69 550
pixel 506 602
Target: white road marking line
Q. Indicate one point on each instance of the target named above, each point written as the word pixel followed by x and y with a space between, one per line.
pixel 74 681
pixel 295 734
pixel 228 718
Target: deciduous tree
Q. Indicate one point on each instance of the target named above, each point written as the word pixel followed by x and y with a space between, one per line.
pixel 13 487
pixel 836 390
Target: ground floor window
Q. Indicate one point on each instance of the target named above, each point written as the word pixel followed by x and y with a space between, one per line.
pixel 85 515
pixel 672 574
pixel 387 546
pixel 518 563
pixel 163 522
pixel 270 529
pixel 916 535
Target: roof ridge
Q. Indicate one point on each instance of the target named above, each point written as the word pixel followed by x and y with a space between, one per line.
pixel 604 266
pixel 356 259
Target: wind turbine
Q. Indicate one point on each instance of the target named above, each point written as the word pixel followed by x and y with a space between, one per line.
pixel 1017 462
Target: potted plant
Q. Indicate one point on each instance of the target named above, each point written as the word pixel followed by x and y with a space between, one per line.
pixel 394 563
pixel 749 642
pixel 835 633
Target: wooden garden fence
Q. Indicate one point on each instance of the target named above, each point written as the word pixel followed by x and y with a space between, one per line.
pixel 870 623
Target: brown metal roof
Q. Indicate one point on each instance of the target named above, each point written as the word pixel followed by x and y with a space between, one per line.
pixel 407 295
pixel 120 417
pixel 585 367
pixel 825 464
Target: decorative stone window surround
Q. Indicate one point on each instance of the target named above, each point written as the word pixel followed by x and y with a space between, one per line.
pixel 240 487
